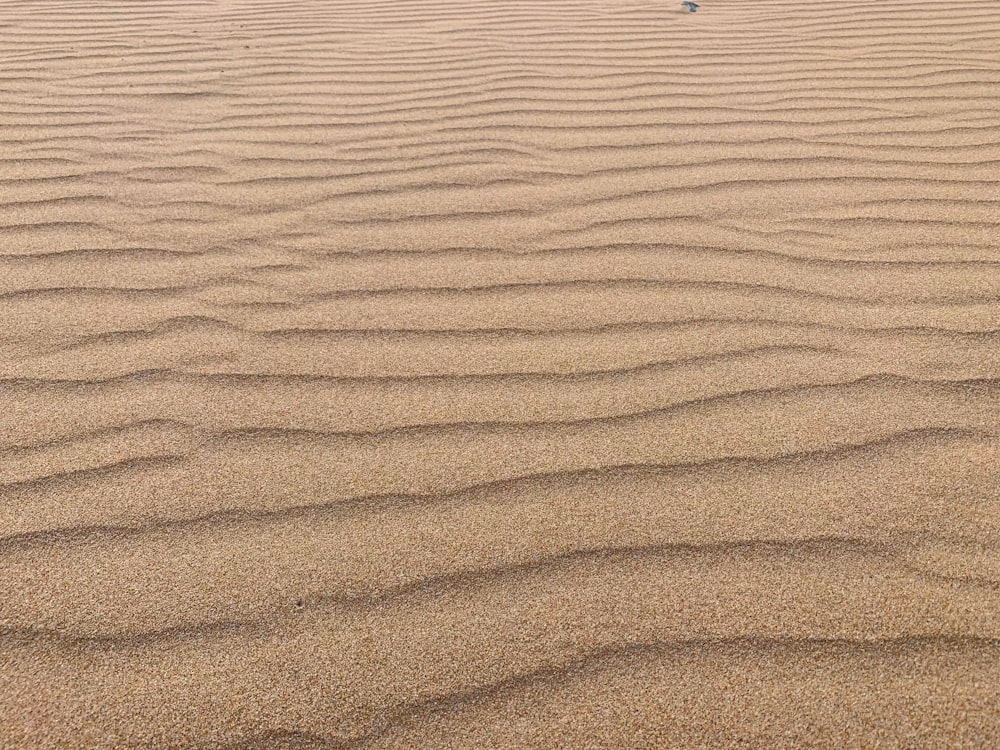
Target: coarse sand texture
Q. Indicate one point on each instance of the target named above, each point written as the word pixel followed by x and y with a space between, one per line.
pixel 499 374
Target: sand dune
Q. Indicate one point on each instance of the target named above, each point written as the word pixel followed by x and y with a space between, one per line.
pixel 488 373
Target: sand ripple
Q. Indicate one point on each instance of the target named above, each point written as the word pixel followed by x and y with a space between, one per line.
pixel 481 373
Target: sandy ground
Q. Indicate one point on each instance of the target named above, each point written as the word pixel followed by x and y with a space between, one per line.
pixel 499 373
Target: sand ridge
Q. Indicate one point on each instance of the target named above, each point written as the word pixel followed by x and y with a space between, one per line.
pixel 499 373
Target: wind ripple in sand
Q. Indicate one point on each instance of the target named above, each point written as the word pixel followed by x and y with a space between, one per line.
pixel 499 374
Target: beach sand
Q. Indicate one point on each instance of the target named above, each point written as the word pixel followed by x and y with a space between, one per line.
pixel 499 374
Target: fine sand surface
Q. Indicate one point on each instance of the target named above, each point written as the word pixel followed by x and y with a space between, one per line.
pixel 499 373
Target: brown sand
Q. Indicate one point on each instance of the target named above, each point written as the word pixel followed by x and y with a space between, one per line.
pixel 499 373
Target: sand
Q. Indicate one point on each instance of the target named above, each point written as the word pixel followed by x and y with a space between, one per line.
pixel 499 374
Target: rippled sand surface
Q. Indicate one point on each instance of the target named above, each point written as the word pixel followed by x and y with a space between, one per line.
pixel 499 374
